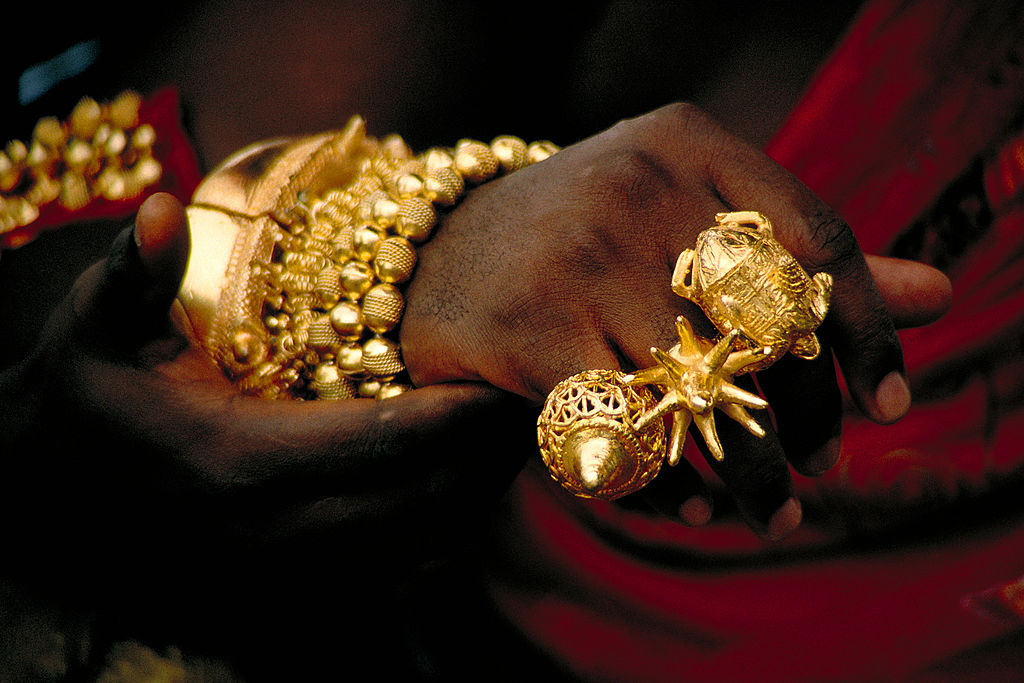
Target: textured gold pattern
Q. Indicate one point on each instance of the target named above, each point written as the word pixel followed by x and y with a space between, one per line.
pixel 588 436
pixel 743 279
pixel 323 233
pixel 761 301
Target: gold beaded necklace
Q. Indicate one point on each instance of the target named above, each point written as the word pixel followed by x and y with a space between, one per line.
pixel 318 314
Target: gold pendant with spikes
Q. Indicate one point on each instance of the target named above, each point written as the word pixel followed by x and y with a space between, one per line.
pixel 601 432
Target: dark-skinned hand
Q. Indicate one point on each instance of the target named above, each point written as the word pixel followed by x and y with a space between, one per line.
pixel 565 266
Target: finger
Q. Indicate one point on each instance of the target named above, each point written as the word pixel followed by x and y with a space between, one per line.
pixel 915 294
pixel 754 470
pixel 679 492
pixel 126 298
pixel 427 454
pixel 810 428
pixel 335 446
pixel 858 325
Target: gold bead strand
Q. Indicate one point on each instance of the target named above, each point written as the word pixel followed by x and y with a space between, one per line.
pixel 342 257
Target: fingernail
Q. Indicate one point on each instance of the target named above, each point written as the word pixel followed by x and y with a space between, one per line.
pixel 892 397
pixel 822 459
pixel 785 520
pixel 695 512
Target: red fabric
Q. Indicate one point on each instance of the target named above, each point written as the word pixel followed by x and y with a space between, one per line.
pixel 914 93
pixel 173 149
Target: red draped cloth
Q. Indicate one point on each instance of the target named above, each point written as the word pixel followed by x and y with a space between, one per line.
pixel 909 562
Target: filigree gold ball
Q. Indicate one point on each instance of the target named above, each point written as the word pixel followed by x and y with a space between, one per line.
pixel 588 438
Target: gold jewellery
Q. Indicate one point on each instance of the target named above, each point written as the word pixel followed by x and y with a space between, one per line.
pixel 601 433
pixel 319 234
pixel 101 151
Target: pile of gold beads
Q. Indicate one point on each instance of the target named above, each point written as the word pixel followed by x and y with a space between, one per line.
pixel 100 151
pixel 332 303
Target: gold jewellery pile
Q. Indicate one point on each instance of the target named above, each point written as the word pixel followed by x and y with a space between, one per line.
pixel 325 291
pixel 602 433
pixel 300 247
pixel 100 151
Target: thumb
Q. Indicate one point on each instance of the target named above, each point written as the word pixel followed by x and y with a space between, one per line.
pixel 127 296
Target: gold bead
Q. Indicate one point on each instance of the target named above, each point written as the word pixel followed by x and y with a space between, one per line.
pixel 436 158
pixel 416 218
pixel 391 389
pixel 331 384
pixel 297 282
pixel 85 118
pixel 143 138
pixel 124 110
pixel 364 242
pixel 40 157
pixel 475 161
pixel 49 132
pixel 305 261
pixel 350 359
pixel 323 336
pixel 328 286
pixel 342 244
pixel 111 184
pixel 510 152
pixel 395 260
pixel 74 191
pixel 382 308
pixel 347 320
pixel 369 387
pixel 541 150
pixel 17 152
pixel 115 143
pixel 79 155
pixel 10 173
pixel 408 185
pixel 384 212
pixel 444 186
pixel 147 171
pixel 356 278
pixel 395 146
pixel 382 357
pixel 43 191
pixel 21 211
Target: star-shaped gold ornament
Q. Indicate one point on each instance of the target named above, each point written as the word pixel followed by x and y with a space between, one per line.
pixel 763 304
pixel 696 377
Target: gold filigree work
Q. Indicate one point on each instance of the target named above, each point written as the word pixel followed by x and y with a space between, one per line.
pixel 761 301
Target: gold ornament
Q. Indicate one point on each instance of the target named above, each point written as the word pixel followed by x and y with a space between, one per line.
pixel 588 436
pixel 761 301
pixel 299 249
pixel 696 377
pixel 101 151
pixel 743 279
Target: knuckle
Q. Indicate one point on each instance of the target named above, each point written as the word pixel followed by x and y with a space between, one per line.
pixel 625 181
pixel 681 113
pixel 829 244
